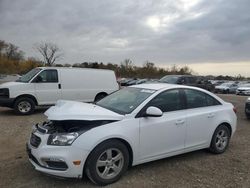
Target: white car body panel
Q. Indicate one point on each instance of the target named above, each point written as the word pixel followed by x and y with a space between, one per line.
pixel 150 138
pixel 156 134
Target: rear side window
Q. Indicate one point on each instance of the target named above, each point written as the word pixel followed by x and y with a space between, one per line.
pixel 212 101
pixel 49 76
pixel 167 101
pixel 196 99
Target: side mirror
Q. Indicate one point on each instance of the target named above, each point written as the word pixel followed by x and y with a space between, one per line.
pixel 153 112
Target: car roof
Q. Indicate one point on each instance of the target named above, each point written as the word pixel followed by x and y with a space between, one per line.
pixel 165 86
pixel 74 68
pixel 159 86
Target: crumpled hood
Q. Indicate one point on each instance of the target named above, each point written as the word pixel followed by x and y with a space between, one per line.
pixel 72 110
pixel 10 84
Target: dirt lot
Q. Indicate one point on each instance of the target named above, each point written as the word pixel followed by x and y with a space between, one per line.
pixel 196 169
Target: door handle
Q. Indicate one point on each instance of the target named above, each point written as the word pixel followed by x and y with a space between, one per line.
pixel 180 122
pixel 59 86
pixel 210 115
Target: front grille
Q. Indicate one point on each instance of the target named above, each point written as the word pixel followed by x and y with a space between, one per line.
pixel 35 140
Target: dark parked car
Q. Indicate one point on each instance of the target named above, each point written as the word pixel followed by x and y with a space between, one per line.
pixel 247 108
pixel 196 81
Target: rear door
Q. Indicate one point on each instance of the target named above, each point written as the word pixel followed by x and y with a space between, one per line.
pixel 47 87
pixel 202 111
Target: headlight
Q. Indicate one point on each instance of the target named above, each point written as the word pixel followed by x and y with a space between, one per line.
pixel 62 139
pixel 248 99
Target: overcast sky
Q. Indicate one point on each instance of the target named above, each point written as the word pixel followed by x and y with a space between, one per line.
pixel 207 34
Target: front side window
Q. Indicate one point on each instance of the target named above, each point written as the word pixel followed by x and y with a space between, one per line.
pixel 167 101
pixel 28 76
pixel 48 76
pixel 196 99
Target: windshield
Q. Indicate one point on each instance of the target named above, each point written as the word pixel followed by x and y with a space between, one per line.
pixel 28 76
pixel 169 79
pixel 125 100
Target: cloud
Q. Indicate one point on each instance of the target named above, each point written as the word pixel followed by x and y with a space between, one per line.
pixel 162 31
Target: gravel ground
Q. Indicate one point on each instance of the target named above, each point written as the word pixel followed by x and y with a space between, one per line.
pixel 195 169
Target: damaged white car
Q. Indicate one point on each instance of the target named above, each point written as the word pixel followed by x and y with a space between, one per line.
pixel 134 125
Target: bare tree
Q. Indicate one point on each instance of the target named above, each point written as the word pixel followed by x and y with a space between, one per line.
pixel 49 51
pixel 13 52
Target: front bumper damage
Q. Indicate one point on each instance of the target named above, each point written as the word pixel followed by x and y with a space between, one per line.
pixel 56 160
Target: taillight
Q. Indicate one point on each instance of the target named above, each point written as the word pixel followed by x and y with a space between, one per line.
pixel 235 110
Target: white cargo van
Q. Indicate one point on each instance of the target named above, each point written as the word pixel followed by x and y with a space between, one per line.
pixel 46 85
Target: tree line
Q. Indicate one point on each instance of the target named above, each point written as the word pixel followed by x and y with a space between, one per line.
pixel 13 61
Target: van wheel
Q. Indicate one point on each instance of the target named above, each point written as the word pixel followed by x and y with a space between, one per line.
pixel 220 140
pixel 107 162
pixel 100 96
pixel 24 106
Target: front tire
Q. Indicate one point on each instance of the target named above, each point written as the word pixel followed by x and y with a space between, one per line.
pixel 24 106
pixel 220 140
pixel 107 162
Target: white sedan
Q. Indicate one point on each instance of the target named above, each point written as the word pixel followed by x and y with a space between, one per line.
pixel 134 125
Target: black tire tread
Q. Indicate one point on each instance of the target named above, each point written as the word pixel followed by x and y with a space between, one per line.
pixel 31 101
pixel 212 147
pixel 90 163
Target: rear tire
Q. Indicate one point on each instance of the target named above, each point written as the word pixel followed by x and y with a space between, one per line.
pixel 220 140
pixel 107 162
pixel 24 106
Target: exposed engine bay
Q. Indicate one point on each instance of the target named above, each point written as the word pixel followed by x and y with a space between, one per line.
pixel 68 126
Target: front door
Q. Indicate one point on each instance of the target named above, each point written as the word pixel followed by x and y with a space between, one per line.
pixel 166 134
pixel 47 87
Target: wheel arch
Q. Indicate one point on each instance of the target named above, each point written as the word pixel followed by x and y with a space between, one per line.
pixel 227 125
pixel 125 142
pixel 26 96
pixel 222 123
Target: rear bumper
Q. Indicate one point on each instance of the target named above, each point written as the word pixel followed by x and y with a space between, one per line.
pixel 6 102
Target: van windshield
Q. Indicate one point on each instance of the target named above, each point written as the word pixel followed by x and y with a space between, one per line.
pixel 125 100
pixel 28 76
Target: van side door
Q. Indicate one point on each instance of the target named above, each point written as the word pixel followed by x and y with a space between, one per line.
pixel 47 87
